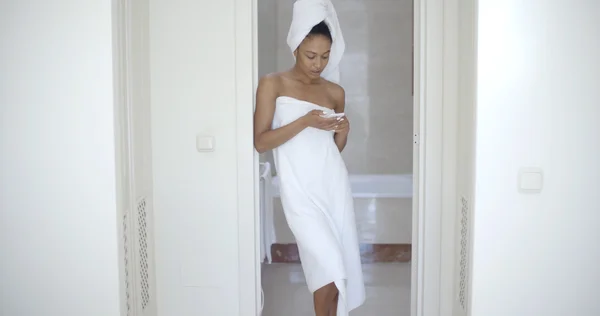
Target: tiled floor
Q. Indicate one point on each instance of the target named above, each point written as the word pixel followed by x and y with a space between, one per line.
pixel 388 290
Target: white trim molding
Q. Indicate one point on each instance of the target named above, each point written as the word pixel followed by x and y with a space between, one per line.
pixel 435 210
pixel 429 102
pixel 247 159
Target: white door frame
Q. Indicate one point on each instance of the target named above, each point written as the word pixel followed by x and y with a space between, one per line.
pixel 435 113
pixel 129 191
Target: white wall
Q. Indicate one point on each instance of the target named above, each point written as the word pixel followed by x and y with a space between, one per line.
pixel 58 227
pixel 193 91
pixel 538 105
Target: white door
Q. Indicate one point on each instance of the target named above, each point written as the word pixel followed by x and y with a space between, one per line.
pixel 201 94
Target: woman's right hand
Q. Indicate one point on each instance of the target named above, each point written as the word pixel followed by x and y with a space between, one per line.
pixel 314 119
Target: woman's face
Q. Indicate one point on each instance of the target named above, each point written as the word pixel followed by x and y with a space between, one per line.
pixel 312 55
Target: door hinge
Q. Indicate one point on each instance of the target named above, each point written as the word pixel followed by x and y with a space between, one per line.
pixel 416 139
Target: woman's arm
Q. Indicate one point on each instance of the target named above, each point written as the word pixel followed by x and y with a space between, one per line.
pixel 341 134
pixel 264 137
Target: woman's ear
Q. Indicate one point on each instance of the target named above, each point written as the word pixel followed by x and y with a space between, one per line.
pixel 296 53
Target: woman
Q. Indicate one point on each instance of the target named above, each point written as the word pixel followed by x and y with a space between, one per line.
pixel 315 191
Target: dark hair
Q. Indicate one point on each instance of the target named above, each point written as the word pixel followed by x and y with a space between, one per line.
pixel 321 29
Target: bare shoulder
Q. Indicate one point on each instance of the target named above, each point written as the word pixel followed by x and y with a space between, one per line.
pixel 267 92
pixel 337 94
pixel 269 83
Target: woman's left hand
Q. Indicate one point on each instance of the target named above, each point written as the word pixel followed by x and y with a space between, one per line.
pixel 343 127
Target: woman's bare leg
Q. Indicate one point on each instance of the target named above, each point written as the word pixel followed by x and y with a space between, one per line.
pixel 323 299
pixel 333 308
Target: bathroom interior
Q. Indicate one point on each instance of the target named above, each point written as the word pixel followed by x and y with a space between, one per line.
pixel 377 75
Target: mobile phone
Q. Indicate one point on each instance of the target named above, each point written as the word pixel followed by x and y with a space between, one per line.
pixel 333 115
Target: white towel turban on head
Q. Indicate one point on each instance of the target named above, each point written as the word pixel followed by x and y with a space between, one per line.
pixel 307 14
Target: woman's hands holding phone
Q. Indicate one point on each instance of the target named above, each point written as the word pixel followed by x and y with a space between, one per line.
pixel 316 119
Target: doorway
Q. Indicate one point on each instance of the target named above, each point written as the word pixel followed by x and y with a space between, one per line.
pixel 377 75
pixel 433 170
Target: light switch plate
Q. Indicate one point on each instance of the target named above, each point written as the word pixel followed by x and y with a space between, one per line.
pixel 205 143
pixel 531 180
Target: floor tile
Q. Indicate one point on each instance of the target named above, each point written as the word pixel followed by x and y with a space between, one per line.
pixel 387 285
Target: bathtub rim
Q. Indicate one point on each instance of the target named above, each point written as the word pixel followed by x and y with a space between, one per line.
pixel 399 186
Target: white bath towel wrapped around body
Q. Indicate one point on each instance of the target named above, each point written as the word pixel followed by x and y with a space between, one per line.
pixel 314 184
pixel 318 206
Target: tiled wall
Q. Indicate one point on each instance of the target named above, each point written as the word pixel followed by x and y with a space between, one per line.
pixel 377 75
pixel 267 37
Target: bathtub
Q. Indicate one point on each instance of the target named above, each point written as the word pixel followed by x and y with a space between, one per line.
pixel 366 186
pixel 366 189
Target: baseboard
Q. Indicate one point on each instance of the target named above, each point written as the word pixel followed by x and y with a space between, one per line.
pixel 370 253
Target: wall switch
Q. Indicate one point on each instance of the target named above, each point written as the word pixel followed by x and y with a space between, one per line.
pixel 531 180
pixel 205 143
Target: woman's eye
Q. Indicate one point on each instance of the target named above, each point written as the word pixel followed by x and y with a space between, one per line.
pixel 310 57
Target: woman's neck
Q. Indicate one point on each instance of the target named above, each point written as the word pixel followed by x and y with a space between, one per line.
pixel 302 77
